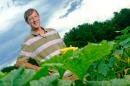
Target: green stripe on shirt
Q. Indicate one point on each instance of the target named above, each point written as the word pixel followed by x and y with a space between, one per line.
pixel 36 46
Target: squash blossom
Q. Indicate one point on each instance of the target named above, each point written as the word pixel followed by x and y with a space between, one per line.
pixel 64 50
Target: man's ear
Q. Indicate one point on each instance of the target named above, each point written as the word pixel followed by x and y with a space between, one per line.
pixel 39 17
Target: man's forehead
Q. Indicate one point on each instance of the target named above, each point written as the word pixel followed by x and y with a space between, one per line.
pixel 33 13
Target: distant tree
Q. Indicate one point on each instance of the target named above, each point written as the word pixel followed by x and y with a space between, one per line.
pixel 122 19
pixel 8 69
pixel 82 34
pixel 78 36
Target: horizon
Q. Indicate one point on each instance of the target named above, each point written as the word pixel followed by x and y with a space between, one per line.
pixel 54 14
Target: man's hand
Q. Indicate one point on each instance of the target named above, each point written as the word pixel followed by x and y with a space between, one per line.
pixel 27 65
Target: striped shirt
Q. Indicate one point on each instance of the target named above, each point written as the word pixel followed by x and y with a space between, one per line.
pixel 40 47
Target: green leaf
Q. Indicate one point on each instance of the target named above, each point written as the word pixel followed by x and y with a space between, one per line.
pixel 65 83
pixel 58 58
pixel 42 72
pixel 2 74
pixel 124 42
pixel 112 60
pixel 46 81
pixel 81 59
pixel 114 82
pixel 61 70
pixel 56 66
pixel 86 56
pixel 103 68
pixel 17 77
pixel 57 62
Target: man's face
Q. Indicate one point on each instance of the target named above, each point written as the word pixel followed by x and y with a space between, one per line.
pixel 34 20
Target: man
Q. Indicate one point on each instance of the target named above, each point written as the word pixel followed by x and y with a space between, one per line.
pixel 41 44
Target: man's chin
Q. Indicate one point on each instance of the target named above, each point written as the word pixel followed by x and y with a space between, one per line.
pixel 35 27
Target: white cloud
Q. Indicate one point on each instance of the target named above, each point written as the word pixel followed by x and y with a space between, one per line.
pixel 90 11
pixel 10 16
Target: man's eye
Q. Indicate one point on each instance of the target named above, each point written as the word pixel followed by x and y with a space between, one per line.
pixel 30 19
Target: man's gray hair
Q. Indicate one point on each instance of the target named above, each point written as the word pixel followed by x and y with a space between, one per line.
pixel 28 13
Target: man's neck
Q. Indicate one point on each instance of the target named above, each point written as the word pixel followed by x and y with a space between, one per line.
pixel 36 29
pixel 39 30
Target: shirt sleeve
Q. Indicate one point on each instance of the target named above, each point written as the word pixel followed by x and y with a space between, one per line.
pixel 25 53
pixel 58 36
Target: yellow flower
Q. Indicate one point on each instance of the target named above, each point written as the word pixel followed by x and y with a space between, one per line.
pixel 64 50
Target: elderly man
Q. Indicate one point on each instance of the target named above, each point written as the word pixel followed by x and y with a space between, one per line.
pixel 41 44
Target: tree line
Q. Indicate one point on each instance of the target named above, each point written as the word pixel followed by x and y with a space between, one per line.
pixel 82 34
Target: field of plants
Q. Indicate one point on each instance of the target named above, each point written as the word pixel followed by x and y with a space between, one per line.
pixel 97 64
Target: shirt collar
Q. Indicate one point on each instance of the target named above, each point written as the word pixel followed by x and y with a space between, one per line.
pixel 35 33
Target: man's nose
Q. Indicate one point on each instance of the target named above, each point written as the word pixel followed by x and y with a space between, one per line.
pixel 35 19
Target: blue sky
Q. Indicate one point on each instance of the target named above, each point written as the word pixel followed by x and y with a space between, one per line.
pixel 59 14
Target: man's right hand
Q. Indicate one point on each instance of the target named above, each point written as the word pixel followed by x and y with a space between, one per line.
pixel 27 65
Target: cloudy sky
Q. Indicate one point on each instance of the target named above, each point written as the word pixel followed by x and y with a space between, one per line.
pixel 59 14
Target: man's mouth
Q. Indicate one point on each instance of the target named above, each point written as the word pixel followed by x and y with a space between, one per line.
pixel 36 23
